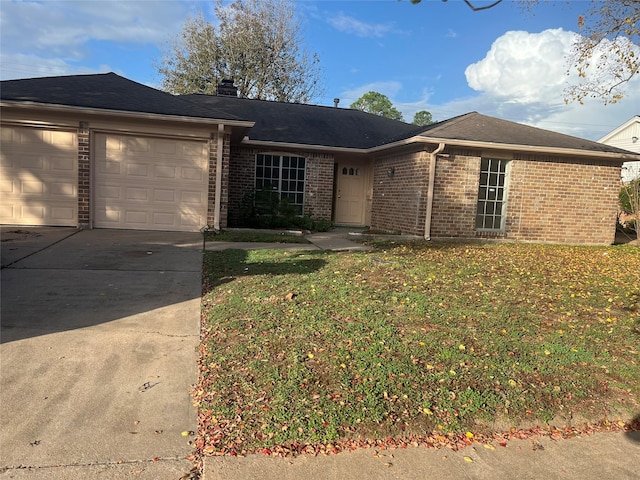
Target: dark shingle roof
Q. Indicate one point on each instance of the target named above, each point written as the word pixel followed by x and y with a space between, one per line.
pixel 308 124
pixel 284 122
pixel 474 127
pixel 103 91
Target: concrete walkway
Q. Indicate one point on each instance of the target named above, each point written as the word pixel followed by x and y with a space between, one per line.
pixel 335 240
pixel 99 344
pixel 603 456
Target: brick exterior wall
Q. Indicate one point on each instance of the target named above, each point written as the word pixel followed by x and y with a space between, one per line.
pixel 553 200
pixel 399 201
pixel 318 195
pixel 84 176
pixel 318 188
pixel 549 199
pixel 213 166
pixel 455 196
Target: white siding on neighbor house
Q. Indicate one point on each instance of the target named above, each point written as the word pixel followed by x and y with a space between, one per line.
pixel 38 176
pixel 150 183
pixel 627 137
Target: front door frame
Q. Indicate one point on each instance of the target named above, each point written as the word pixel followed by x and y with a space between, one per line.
pixel 344 214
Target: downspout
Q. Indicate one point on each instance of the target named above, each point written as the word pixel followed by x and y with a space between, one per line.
pixel 432 180
pixel 218 194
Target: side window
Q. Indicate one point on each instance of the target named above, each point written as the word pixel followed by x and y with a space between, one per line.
pixel 492 194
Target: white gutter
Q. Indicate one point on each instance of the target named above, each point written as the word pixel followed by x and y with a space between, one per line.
pixel 432 179
pixel 531 148
pixel 122 113
pixel 218 194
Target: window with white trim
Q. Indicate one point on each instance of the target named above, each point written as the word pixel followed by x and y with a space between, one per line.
pixel 492 194
pixel 283 176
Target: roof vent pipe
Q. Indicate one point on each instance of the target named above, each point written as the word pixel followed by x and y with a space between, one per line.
pixel 336 101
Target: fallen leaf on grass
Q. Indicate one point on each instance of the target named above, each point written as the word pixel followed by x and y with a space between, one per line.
pixel 468 459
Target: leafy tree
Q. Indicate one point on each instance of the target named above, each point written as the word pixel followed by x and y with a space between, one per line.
pixel 630 203
pixel 606 54
pixel 423 118
pixel 257 43
pixel 378 104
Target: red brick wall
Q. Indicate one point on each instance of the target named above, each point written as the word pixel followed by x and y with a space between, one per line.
pixel 399 200
pixel 213 164
pixel 549 199
pixel 318 188
pixel 553 200
pixel 84 175
pixel 318 181
pixel 455 196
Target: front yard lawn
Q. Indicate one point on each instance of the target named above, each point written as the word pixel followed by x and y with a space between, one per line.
pixel 319 351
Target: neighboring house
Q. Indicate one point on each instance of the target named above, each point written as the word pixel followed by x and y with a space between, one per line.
pixel 102 151
pixel 626 136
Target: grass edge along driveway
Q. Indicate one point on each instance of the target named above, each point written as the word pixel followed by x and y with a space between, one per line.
pixel 441 344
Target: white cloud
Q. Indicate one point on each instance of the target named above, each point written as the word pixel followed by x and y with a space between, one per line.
pixel 351 25
pixel 29 66
pixel 47 25
pixel 524 67
pixel 54 38
pixel 523 78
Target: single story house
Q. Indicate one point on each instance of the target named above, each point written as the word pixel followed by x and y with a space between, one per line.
pixel 102 151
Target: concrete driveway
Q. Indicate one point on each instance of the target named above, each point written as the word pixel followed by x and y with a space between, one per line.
pixel 99 332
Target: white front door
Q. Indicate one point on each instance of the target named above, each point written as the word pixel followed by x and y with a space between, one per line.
pixel 351 189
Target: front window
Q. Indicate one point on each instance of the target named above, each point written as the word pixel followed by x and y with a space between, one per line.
pixel 282 176
pixel 492 194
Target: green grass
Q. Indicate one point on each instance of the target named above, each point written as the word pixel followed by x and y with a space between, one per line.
pixel 314 347
pixel 254 236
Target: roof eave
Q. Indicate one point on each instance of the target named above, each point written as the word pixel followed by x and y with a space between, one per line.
pixel 122 113
pixel 531 148
pixel 301 146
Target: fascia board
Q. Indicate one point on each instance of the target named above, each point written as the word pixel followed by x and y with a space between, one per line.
pixel 123 113
pixel 533 149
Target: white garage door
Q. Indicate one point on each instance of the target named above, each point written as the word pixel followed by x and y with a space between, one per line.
pixel 147 183
pixel 38 177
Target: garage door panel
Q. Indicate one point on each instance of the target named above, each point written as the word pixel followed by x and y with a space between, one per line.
pixel 39 175
pixel 165 172
pixel 148 183
pixel 137 170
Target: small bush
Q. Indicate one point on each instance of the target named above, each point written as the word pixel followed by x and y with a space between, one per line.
pixel 265 209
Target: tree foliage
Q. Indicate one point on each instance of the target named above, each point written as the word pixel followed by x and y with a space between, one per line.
pixel 378 104
pixel 423 118
pixel 630 202
pixel 257 43
pixel 606 55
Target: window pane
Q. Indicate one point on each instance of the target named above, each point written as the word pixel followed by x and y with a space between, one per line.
pixel 491 194
pixel 285 162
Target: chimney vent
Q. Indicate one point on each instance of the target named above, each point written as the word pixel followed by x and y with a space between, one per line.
pixel 227 88
pixel 336 101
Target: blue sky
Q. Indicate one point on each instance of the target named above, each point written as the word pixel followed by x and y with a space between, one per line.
pixel 442 57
